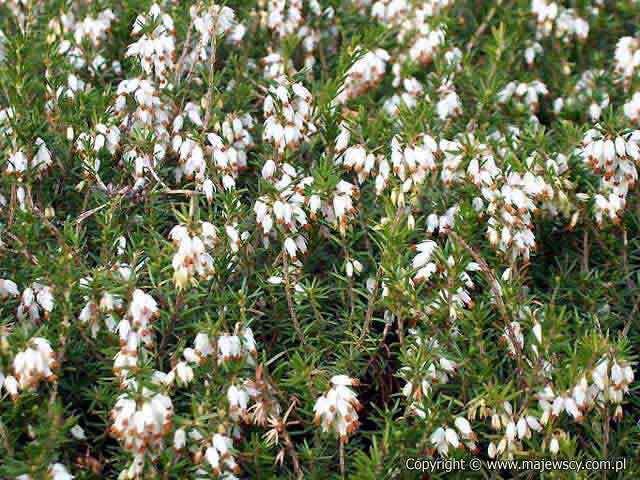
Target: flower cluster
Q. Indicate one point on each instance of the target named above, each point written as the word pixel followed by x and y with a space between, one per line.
pixel 627 56
pixel 613 159
pixel 31 366
pixel 510 205
pixel 288 111
pixel 37 301
pixel 563 22
pixel 445 437
pixel 141 423
pixel 367 72
pixel 156 46
pixel 20 164
pixel 229 150
pixel 524 93
pixel 191 258
pixel 337 410
pixel 134 330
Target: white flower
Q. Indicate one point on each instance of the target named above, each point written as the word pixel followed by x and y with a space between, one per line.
pixel 238 398
pixel 155 49
pixel 531 52
pixel 184 372
pixel 8 288
pixel 427 44
pixel 554 446
pixel 203 345
pixel 615 159
pixel 444 437
pixel 449 104
pixel 218 455
pixel 352 266
pixel 58 471
pixel 78 432
pixel 525 93
pixel 11 385
pixel 142 310
pixel 627 57
pixel 337 410
pixel 179 439
pixel 236 347
pixel 291 124
pixel 464 427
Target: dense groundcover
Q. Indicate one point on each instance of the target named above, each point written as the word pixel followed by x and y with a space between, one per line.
pixel 318 238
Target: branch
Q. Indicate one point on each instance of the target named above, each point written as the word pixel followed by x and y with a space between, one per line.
pixel 287 289
pixel 491 278
pixel 483 26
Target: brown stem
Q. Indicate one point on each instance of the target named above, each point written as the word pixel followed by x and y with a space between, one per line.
pixel 585 252
pixel 384 336
pixel 287 289
pixel 632 315
pixel 483 26
pixel 491 278
pixel 5 440
pixel 292 452
pixel 625 246
pixel 370 306
pixel 605 446
pixel 169 331
pixel 185 49
pixel 207 115
pixel 12 205
pixel 23 248
pixel 401 329
pixel 493 283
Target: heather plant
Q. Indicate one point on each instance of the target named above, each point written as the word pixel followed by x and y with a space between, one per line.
pixel 312 239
